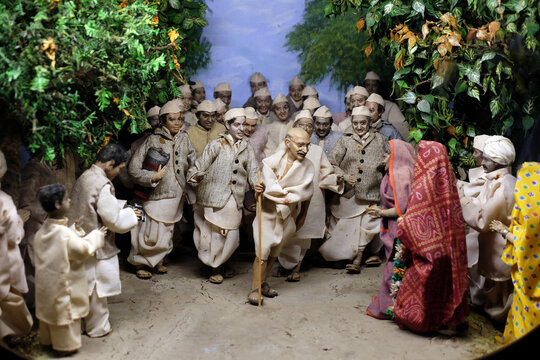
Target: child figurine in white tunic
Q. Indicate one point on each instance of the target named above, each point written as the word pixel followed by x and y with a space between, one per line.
pixel 151 240
pixel 61 284
pixel 93 204
pixel 220 176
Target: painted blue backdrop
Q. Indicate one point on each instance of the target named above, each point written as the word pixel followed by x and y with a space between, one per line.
pixel 249 36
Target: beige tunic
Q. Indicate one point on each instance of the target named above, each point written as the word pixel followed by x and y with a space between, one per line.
pixel 93 199
pixel 200 137
pixel 61 285
pixel 315 223
pixel 282 200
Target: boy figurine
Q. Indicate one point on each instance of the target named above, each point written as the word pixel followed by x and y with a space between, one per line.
pixel 61 285
pixel 15 319
pixel 220 175
pixel 95 204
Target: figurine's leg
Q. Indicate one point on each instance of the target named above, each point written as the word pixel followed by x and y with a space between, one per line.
pixel 161 268
pixel 295 274
pixel 142 272
pixel 97 321
pixel 354 268
pixel 216 277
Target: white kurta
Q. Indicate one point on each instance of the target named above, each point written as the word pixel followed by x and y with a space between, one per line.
pixel 350 229
pixel 315 223
pixel 282 201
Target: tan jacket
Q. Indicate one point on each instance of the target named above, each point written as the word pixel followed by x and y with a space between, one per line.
pixel 364 161
pixel 228 170
pixel 11 234
pixel 200 137
pixel 61 285
pixel 182 155
pixel 93 199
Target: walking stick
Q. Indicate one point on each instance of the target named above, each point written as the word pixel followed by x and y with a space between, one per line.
pixel 259 204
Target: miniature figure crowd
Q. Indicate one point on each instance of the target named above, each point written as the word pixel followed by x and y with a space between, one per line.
pixel 290 170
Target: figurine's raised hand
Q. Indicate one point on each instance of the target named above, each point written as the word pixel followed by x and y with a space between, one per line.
pixel 259 188
pixel 497 226
pixel 160 173
pixel 103 229
pixel 138 213
pixel 340 180
pixel 196 178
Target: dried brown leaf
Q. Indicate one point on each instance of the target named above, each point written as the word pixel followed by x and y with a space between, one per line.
pixel 360 24
pixel 450 20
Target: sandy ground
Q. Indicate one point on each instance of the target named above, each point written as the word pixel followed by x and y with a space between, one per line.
pixel 181 315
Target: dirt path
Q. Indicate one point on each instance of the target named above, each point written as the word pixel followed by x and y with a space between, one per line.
pixel 181 315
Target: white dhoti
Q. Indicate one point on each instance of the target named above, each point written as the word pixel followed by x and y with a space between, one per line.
pixel 216 235
pixel 96 323
pixel 294 252
pixel 351 229
pixel 151 240
pixel 61 337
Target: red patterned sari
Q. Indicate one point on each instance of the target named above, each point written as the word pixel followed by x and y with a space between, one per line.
pixel 432 293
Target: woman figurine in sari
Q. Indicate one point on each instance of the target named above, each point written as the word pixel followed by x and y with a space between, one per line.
pixel 522 253
pixel 395 189
pixel 432 293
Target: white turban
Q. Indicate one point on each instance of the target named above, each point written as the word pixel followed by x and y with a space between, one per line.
pixel 479 141
pixel 372 76
pixel 280 98
pixel 219 104
pixel 207 106
pixel 323 112
pixel 311 103
pixel 500 149
pixel 250 113
pixel 222 87
pixel 376 98
pixel 262 92
pixel 184 90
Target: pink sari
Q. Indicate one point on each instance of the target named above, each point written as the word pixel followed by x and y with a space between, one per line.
pixel 432 293
pixel 395 189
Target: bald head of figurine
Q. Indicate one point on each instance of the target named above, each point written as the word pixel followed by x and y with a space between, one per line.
pixel 297 142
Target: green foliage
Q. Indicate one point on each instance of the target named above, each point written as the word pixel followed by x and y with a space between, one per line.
pixel 333 47
pixel 461 67
pixel 75 72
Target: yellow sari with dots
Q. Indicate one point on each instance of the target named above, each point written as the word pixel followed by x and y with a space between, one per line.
pixel 523 255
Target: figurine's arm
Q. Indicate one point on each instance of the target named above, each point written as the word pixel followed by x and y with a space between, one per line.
pixel 502 229
pixel 196 173
pixel 192 153
pixel 328 179
pixel 337 155
pixel 377 211
pixel 113 214
pixel 252 167
pixel 79 248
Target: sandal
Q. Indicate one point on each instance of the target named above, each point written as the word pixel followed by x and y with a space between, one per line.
pixel 161 269
pixel 216 279
pixel 373 261
pixel 253 297
pixel 352 269
pixel 293 277
pixel 268 291
pixel 144 274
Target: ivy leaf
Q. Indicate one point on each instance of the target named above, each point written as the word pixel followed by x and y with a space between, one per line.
pixel 452 144
pixel 516 5
pixel 416 134
pixel 527 122
pixel 460 87
pixel 424 106
pixel 409 97
pixel 474 92
pixel 487 56
pixel 175 4
pixel 495 107
pixel 437 80
pixel 419 7
pixel 471 132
